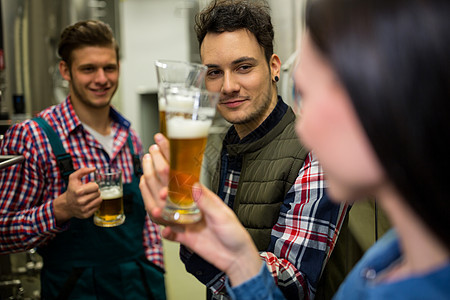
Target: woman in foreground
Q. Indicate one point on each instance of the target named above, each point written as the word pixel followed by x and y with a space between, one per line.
pixel 373 78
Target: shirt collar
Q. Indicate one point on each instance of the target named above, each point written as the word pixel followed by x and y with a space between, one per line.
pixel 267 125
pixel 72 122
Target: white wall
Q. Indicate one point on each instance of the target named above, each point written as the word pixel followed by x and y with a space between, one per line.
pixel 150 30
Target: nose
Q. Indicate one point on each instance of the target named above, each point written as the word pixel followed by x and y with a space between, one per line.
pixel 230 84
pixel 100 76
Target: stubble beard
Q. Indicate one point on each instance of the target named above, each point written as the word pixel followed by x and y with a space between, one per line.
pixel 254 115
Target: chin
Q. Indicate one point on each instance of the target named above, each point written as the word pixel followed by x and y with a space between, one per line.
pixel 233 118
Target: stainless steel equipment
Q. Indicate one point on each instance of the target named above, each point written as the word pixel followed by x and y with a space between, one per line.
pixel 9 160
pixel 31 30
pixel 19 275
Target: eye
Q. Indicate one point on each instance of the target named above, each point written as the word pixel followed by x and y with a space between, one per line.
pixel 87 69
pixel 110 69
pixel 213 73
pixel 244 68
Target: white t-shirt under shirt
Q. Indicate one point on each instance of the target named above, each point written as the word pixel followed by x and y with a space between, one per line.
pixel 105 140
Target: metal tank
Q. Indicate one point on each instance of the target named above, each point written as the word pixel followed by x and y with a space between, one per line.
pixel 31 30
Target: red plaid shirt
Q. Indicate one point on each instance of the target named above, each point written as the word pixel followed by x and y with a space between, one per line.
pixel 28 190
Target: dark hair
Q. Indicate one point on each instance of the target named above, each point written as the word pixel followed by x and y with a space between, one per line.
pixel 231 15
pixel 392 56
pixel 85 33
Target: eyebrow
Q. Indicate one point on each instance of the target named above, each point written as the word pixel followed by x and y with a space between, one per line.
pixel 236 61
pixel 93 65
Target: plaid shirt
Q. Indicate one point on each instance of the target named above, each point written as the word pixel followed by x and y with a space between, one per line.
pixel 303 237
pixel 27 190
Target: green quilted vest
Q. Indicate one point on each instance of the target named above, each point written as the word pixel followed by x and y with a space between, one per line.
pixel 269 169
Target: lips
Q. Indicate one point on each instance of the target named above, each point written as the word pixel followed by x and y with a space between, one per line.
pixel 100 92
pixel 232 103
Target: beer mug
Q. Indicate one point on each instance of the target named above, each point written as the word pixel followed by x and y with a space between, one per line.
pixel 110 213
pixel 178 74
pixel 189 115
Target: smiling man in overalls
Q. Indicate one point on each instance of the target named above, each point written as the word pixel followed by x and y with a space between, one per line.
pixel 49 200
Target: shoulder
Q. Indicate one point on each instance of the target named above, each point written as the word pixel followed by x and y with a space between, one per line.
pixel 28 139
pixel 27 130
pixel 53 115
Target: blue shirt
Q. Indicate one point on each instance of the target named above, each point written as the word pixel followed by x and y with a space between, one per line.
pixel 361 282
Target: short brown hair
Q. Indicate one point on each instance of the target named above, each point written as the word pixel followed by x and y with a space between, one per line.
pixel 85 33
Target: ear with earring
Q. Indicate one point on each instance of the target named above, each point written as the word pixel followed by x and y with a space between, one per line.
pixel 276 78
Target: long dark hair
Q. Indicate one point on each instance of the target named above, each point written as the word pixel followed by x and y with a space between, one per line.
pixel 393 57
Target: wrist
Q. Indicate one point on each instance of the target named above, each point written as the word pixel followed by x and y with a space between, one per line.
pixel 245 267
pixel 60 211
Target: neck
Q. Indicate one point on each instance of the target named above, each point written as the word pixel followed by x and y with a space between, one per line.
pixel 96 118
pixel 245 129
pixel 422 251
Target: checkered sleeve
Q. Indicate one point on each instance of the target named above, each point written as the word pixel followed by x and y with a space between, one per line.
pixel 26 210
pixel 305 234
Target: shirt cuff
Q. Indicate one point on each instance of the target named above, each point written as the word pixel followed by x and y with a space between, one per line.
pixel 261 286
pixel 49 210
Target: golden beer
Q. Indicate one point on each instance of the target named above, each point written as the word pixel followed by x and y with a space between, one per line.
pixel 111 207
pixel 111 212
pixel 187 145
pixel 162 121
pixel 185 164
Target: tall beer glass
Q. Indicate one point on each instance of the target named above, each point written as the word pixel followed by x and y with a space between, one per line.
pixel 110 213
pixel 178 74
pixel 189 114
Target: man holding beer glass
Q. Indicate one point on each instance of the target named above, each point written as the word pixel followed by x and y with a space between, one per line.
pixel 274 185
pixel 49 201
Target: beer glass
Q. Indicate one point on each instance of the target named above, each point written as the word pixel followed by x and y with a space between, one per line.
pixel 189 114
pixel 179 74
pixel 110 213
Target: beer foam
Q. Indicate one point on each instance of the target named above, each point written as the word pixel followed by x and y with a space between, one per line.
pixel 181 128
pixel 110 192
pixel 179 104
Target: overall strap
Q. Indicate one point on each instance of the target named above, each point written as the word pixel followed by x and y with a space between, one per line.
pixel 136 160
pixel 63 158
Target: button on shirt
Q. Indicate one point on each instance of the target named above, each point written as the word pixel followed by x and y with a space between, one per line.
pixel 27 190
